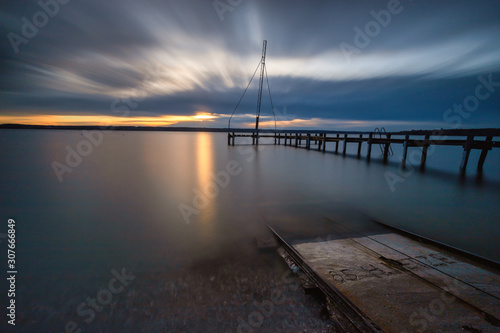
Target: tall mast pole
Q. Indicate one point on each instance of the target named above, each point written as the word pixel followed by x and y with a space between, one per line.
pixel 262 69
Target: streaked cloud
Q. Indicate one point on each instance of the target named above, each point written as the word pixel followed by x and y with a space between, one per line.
pixel 178 58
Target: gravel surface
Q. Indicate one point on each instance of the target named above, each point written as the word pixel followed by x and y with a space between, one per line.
pixel 232 291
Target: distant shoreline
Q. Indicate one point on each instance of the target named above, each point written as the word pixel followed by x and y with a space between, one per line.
pixel 457 132
pixel 115 128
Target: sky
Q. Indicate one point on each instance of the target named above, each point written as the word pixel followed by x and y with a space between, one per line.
pixel 408 64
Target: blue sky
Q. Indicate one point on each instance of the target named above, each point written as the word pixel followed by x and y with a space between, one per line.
pixel 331 64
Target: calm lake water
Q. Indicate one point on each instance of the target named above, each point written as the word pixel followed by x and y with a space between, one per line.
pixel 154 201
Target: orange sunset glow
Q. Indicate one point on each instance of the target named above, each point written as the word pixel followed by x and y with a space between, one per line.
pixel 97 120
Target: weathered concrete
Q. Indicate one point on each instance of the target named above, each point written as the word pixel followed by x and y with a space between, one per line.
pixel 399 284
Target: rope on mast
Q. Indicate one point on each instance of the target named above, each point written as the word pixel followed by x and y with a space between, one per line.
pixel 263 71
pixel 229 123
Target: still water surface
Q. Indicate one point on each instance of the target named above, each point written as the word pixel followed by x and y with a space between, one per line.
pixel 128 191
pixel 121 205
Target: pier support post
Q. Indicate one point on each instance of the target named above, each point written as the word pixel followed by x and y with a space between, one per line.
pixel 296 140
pixel 285 139
pixel 345 145
pixel 279 139
pixel 466 153
pixel 484 152
pixel 319 141
pixel 368 157
pixel 405 150
pixel 424 152
pixel 253 138
pixel 386 148
pixel 308 143
pixel 233 137
pixel 228 138
pixel 337 144
pixel 359 145
pixel 324 142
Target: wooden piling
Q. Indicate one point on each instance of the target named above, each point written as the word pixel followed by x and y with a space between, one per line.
pixel 368 156
pixel 424 152
pixel 324 142
pixel 387 147
pixel 296 140
pixel 484 152
pixel 466 153
pixel 345 145
pixel 285 139
pixel 308 143
pixel 405 150
pixel 234 136
pixel 337 144
pixel 359 146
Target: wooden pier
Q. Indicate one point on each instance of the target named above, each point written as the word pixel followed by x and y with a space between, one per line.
pixel 479 139
pixel 468 139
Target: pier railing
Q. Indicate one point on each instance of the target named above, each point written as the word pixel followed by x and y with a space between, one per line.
pixel 479 139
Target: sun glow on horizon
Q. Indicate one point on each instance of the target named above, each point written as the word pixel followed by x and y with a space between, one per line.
pixel 204 116
pixel 101 120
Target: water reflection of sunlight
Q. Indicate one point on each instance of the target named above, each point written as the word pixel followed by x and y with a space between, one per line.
pixel 206 185
pixel 204 159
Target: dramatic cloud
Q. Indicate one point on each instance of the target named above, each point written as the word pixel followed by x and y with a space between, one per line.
pixel 333 64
